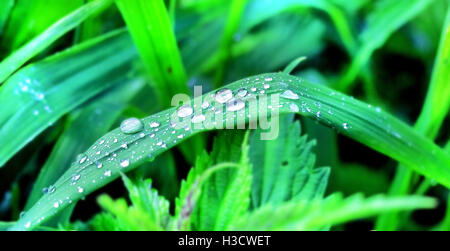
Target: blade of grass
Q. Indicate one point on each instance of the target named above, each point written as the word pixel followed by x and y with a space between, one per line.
pixel 234 19
pixel 152 32
pixel 5 10
pixel 42 41
pixel 434 110
pixel 107 109
pixel 47 91
pixel 381 23
pixel 122 152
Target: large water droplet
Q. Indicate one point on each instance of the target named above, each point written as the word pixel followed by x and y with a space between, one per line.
pixel 235 105
pixel 184 111
pixel 223 95
pixel 289 94
pixel 131 125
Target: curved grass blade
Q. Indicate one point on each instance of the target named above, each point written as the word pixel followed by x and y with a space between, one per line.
pixel 437 103
pixel 386 18
pixel 41 93
pixel 81 131
pixel 125 148
pixel 42 41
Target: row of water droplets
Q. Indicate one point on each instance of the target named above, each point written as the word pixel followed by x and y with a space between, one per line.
pixel 135 131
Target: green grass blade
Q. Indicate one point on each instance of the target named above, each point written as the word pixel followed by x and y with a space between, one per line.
pixel 5 10
pixel 152 32
pixel 42 41
pixel 106 109
pixel 386 19
pixel 317 214
pixel 234 18
pixel 437 103
pixel 40 94
pixel 121 152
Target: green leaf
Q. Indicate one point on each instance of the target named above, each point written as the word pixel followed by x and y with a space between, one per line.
pixel 37 96
pixel 387 17
pixel 320 213
pixel 122 151
pixel 42 41
pixel 225 196
pixel 284 167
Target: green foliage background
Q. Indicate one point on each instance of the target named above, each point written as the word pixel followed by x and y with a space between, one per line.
pixel 368 148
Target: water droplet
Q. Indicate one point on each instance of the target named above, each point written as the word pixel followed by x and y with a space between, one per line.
pixel 184 111
pixel 107 173
pixel 266 86
pixel 289 94
pixel 83 159
pixel 56 204
pixel 205 104
pixel 242 92
pixel 99 164
pixel 131 125
pixel 76 177
pixel 198 118
pixel 125 163
pixel 318 114
pixel 124 146
pixel 101 142
pixel 253 89
pixel 345 126
pixel 80 190
pixel 294 108
pixel 154 124
pixel 223 95
pixel 268 79
pixel 28 224
pixel 51 189
pixel 235 105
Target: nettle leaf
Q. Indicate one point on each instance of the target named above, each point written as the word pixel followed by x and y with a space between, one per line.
pixel 37 96
pixel 137 141
pixel 226 194
pixel 283 169
pixel 148 211
pixel 319 213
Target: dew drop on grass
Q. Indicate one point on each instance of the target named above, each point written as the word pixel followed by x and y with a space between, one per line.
pixel 56 204
pixel 80 190
pixel 242 92
pixel 205 104
pixel 184 111
pixel 107 173
pixel 131 126
pixel 235 105
pixel 76 177
pixel 268 79
pixel 99 164
pixel 345 126
pixel 125 163
pixel 154 124
pixel 266 86
pixel 198 118
pixel 294 108
pixel 223 95
pixel 289 94
pixel 83 158
pixel 28 224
